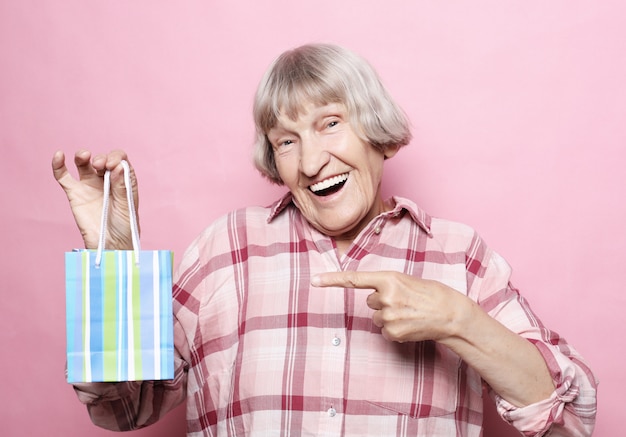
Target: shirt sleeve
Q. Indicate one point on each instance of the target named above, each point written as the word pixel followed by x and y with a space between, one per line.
pixel 571 408
pixel 125 406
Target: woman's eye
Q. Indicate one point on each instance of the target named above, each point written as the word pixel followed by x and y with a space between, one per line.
pixel 282 144
pixel 333 123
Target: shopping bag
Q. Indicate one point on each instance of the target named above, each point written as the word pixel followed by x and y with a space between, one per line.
pixel 119 309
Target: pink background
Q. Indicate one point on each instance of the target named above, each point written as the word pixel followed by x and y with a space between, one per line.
pixel 517 109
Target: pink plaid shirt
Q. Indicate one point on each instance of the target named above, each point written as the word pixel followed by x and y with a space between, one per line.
pixel 263 353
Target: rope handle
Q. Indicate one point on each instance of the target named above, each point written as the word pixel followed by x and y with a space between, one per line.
pixel 105 209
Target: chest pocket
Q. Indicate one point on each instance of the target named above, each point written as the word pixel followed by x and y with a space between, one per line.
pixel 415 379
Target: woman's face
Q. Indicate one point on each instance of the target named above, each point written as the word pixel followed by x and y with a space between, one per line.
pixel 333 175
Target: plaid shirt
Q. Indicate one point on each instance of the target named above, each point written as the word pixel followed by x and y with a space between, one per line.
pixel 264 353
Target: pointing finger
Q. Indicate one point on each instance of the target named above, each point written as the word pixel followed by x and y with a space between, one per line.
pixel 349 279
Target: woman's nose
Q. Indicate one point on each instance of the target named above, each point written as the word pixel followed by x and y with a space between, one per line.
pixel 313 156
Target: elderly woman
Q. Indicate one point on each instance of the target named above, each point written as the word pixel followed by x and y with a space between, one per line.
pixel 334 311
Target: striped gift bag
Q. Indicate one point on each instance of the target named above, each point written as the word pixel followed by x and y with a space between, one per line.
pixel 119 310
pixel 119 316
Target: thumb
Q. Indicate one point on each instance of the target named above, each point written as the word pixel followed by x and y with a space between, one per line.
pixel 59 170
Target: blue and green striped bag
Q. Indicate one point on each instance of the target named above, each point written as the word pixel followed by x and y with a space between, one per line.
pixel 119 311
pixel 119 316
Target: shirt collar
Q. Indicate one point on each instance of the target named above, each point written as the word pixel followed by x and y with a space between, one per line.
pixel 418 215
pixel 279 206
pixel 401 204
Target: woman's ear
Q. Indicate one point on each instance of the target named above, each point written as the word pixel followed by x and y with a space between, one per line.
pixel 390 151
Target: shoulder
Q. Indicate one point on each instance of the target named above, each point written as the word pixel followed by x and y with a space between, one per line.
pixel 441 231
pixel 442 227
pixel 234 224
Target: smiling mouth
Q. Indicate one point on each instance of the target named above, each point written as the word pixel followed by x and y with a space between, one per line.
pixel 329 186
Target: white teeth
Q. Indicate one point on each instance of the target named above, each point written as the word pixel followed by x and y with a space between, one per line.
pixel 327 183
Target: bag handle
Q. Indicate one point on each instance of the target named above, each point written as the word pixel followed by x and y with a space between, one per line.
pixel 131 208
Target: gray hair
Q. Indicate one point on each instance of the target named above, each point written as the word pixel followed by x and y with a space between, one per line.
pixel 321 74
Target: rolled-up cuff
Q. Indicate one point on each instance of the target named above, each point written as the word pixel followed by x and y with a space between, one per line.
pixel 536 419
pixel 90 393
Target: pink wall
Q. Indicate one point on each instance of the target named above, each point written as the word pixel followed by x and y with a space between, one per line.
pixel 518 114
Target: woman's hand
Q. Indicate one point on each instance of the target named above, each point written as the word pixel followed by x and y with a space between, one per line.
pixel 85 195
pixel 405 308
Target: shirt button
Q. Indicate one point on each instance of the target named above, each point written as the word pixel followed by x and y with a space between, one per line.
pixel 377 230
pixel 332 412
pixel 336 341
